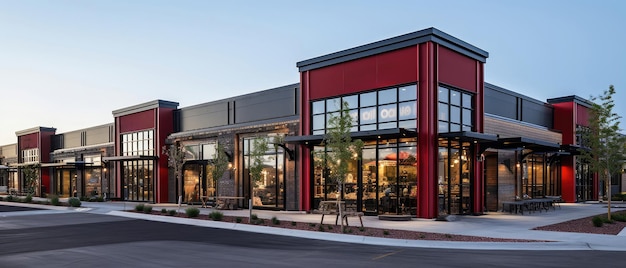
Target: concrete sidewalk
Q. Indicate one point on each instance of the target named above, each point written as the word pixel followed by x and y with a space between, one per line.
pixel 497 225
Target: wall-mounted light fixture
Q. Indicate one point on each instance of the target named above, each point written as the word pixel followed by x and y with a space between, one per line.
pixel 507 164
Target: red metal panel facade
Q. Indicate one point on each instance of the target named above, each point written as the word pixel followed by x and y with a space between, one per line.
pixel 568 179
pixel 564 121
pixel 137 121
pixel 457 70
pixel 427 134
pixel 378 71
pixel 165 126
pixel 28 141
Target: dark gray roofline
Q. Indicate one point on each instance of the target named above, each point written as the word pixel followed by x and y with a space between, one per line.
pixel 295 85
pixel 144 107
pixel 572 98
pixel 398 42
pixel 513 93
pixel 34 130
pixel 234 127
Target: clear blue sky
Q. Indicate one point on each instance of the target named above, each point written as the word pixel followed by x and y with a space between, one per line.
pixel 69 64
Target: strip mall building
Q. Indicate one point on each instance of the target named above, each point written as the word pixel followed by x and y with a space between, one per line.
pixel 438 139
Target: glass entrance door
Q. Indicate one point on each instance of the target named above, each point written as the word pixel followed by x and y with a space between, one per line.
pixel 455 178
pixel 369 175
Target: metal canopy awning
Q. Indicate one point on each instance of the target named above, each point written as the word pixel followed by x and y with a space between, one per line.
pixel 526 143
pixel 129 158
pixel 364 135
pixel 469 136
pixel 573 149
pixel 4 167
pixel 197 162
pixel 68 164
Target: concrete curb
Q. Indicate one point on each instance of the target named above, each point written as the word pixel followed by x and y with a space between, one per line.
pixel 361 239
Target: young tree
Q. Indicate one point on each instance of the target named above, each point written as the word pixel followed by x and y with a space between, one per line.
pixel 176 159
pixel 258 150
pixel 340 149
pixel 220 165
pixel 31 175
pixel 604 145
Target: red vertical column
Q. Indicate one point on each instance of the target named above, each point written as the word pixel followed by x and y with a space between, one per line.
pixel 305 159
pixel 568 181
pixel 479 113
pixel 427 136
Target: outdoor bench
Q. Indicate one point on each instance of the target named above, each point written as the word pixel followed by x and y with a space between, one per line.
pixel 331 208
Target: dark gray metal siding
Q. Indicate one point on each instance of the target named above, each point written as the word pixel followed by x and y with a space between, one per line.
pixel 508 104
pixel 268 104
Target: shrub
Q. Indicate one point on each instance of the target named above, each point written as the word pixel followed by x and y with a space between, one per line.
pixel 275 221
pixel 192 212
pixel 617 197
pixel 238 220
pixel 10 198
pixel 362 229
pixel 171 212
pixel 619 217
pixel 1 198
pixel 147 209
pixel 84 198
pixel 293 223
pixel 597 221
pixel 54 200
pixel 216 215
pixel 74 202
pixel 139 207
pixel 311 224
pixel 254 217
pixel 28 198
pixel 330 227
pixel 385 232
pixel 321 228
pixel 163 210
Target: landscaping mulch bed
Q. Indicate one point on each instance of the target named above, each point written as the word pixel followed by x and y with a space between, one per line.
pixel 352 230
pixel 585 225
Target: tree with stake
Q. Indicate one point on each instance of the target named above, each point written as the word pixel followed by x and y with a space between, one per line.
pixel 340 149
pixel 258 150
pixel 603 144
pixel 176 159
pixel 220 165
pixel 31 174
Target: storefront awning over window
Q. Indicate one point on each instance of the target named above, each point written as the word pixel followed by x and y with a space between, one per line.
pixel 573 149
pixel 129 158
pixel 364 135
pixel 66 164
pixel 536 146
pixel 469 136
pixel 197 162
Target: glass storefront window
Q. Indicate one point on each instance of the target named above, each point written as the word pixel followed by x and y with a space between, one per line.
pixel 333 105
pixel 387 96
pixel 353 101
pixel 387 113
pixel 385 183
pixel 455 110
pixel 269 191
pixel 370 110
pixel 318 107
pixel 138 175
pixel 407 93
pixel 368 99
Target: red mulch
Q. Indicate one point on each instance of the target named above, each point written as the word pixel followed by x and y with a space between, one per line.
pixel 585 225
pixel 352 230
